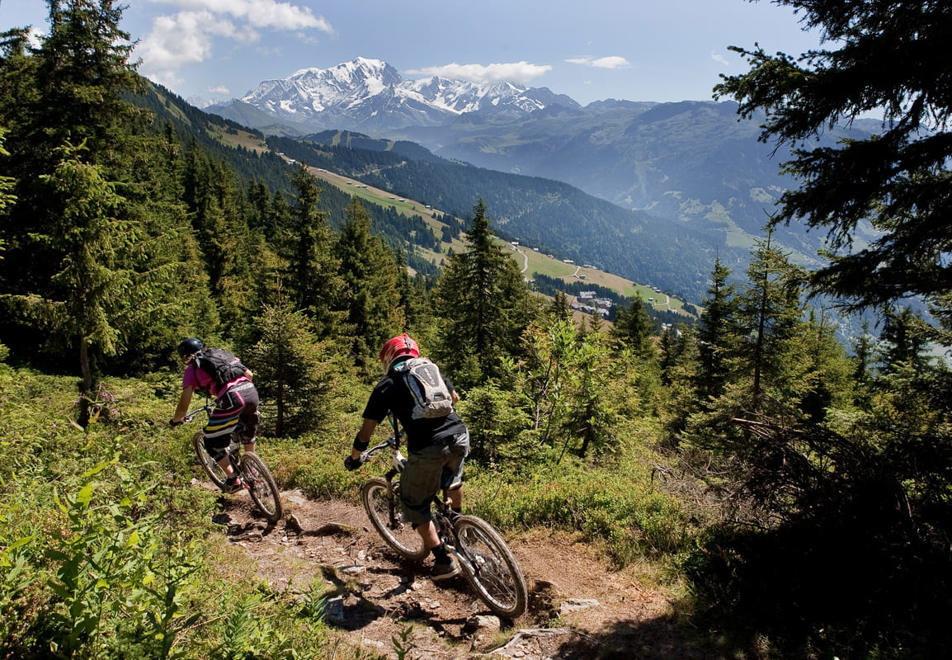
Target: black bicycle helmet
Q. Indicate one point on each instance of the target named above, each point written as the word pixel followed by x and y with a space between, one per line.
pixel 189 346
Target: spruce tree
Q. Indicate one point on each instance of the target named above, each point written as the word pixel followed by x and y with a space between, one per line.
pixel 904 340
pixel 312 278
pixel 635 330
pixel 716 334
pixel 71 89
pixel 110 174
pixel 769 309
pixel 559 308
pixel 298 376
pixel 91 280
pixel 896 179
pixel 170 296
pixel 483 304
pixel 372 279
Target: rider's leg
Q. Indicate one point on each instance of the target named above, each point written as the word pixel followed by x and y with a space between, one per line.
pixel 230 411
pixel 419 482
pixel 225 465
pixel 250 417
pixel 215 446
pixel 454 497
pixel 427 532
pixel 451 478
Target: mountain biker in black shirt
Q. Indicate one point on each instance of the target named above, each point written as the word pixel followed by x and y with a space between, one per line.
pixel 436 449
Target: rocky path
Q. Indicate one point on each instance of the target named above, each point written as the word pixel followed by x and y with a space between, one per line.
pixel 578 606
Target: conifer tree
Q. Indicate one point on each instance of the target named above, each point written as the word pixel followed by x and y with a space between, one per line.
pixel 415 298
pixel 371 277
pixel 769 309
pixel 668 347
pixel 634 329
pixel 170 293
pixel 80 78
pixel 595 323
pixel 234 255
pixel 312 270
pixel 716 334
pixel 69 89
pixel 6 199
pixel 559 308
pixel 897 178
pixel 590 414
pixel 298 376
pixel 483 305
pixel 92 279
pixel 904 338
pixel 680 366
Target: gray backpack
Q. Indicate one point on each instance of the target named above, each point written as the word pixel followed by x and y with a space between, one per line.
pixel 431 397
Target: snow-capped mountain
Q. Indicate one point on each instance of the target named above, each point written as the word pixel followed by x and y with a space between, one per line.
pixel 370 94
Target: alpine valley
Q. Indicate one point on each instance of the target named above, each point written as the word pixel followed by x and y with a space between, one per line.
pixel 651 191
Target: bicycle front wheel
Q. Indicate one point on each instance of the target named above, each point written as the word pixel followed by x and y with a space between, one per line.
pixel 490 568
pixel 263 490
pixel 214 471
pixel 382 503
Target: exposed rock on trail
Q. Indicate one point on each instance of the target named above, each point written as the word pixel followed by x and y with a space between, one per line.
pixel 578 607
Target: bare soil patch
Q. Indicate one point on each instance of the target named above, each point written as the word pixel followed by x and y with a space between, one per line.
pixel 578 606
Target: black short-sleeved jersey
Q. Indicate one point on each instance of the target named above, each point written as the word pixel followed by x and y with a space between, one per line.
pixel 391 394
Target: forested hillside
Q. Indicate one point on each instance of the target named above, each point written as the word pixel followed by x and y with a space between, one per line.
pixel 637 246
pixel 778 494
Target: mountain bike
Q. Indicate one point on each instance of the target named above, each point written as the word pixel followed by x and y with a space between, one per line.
pixel 252 469
pixel 486 561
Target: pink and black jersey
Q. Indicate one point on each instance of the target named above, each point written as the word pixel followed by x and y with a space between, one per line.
pixel 197 379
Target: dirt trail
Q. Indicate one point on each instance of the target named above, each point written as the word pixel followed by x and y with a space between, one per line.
pixel 578 607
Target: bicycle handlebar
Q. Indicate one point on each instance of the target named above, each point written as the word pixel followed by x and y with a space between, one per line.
pixel 190 416
pixel 393 442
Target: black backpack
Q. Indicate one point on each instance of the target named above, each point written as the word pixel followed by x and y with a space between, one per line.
pixel 220 364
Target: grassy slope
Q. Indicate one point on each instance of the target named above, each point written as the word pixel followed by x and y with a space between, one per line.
pixel 123 486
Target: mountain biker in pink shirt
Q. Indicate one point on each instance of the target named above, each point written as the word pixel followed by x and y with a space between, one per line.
pixel 236 402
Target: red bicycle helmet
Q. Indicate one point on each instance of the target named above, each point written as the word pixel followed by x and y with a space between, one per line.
pixel 394 348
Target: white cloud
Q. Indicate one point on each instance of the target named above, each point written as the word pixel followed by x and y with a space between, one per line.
pixel 221 89
pixel 719 58
pixel 262 13
pixel 186 37
pixel 611 62
pixel 515 72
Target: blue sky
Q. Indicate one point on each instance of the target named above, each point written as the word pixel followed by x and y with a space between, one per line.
pixel 652 50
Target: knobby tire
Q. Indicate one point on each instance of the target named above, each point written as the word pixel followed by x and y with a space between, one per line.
pixel 263 490
pixel 382 505
pixel 209 464
pixel 492 571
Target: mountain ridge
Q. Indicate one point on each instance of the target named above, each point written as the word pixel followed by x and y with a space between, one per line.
pixel 369 94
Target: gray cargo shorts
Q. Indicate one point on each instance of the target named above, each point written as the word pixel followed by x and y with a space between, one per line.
pixel 434 468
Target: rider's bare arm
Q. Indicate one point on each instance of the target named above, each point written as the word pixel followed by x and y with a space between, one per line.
pixel 365 433
pixel 182 409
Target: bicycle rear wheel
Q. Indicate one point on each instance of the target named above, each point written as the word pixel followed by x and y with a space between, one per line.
pixel 490 567
pixel 209 464
pixel 382 504
pixel 263 490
